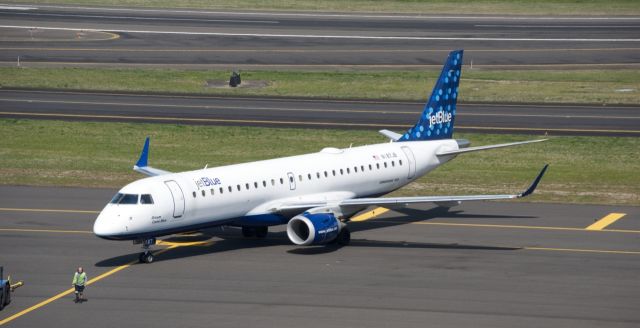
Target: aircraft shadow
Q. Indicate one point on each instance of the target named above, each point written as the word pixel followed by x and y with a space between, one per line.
pixel 230 240
pixel 413 215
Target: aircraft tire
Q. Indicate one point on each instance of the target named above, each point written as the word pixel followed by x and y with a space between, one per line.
pixel 262 232
pixel 7 296
pixel 146 257
pixel 248 232
pixel 2 300
pixel 344 237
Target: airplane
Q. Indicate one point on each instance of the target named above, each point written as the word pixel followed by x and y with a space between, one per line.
pixel 314 194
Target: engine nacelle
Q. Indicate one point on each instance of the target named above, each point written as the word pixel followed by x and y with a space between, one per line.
pixel 313 229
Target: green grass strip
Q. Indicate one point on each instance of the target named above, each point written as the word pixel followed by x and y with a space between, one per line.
pixel 492 7
pixel 572 86
pixel 88 154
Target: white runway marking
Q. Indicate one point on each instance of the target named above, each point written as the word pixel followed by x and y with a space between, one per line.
pixel 156 18
pixel 315 36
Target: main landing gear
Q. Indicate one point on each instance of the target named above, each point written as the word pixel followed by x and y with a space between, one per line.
pixel 258 232
pixel 344 237
pixel 146 256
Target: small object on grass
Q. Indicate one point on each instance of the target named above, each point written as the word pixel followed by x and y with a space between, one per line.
pixel 235 80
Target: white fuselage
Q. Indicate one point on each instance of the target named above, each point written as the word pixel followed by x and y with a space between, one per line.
pixel 245 194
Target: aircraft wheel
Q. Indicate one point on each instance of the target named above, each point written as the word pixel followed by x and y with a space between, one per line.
pixel 2 300
pixel 248 232
pixel 146 257
pixel 7 297
pixel 344 237
pixel 262 232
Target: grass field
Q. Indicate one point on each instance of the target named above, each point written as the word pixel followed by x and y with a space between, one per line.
pixel 575 86
pixel 538 7
pixel 582 169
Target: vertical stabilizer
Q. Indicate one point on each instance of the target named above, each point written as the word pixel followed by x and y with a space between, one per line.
pixel 436 121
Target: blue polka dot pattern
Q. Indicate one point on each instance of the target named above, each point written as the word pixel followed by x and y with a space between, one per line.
pixel 439 112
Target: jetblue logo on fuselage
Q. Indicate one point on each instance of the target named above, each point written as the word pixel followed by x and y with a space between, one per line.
pixel 440 117
pixel 207 182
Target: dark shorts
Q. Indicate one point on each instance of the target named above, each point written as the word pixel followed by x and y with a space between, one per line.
pixel 79 289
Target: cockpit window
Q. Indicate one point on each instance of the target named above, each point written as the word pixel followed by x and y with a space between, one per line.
pixel 147 199
pixel 124 199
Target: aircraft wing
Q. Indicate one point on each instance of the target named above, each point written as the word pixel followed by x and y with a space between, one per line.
pixel 404 201
pixel 294 206
pixel 142 164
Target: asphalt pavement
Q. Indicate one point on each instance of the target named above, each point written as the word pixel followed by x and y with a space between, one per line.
pixel 547 119
pixel 487 264
pixel 122 37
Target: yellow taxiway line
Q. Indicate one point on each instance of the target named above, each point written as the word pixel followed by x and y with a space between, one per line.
pixel 606 221
pixel 370 215
pixel 44 230
pixel 46 210
pixel 71 290
pixel 507 226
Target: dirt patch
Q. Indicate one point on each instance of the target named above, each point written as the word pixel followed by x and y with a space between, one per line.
pixel 245 84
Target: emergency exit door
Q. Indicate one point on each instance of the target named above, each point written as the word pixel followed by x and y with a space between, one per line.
pixel 178 198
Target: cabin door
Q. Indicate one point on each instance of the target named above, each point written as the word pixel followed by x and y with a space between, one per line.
pixel 178 198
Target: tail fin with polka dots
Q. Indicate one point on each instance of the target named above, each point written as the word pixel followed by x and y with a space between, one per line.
pixel 436 121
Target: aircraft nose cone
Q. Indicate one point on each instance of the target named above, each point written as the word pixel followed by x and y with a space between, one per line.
pixel 104 226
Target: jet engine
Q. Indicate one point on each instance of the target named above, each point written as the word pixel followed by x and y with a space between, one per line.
pixel 316 229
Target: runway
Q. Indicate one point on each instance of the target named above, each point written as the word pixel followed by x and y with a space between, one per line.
pixel 481 264
pixel 306 113
pixel 66 35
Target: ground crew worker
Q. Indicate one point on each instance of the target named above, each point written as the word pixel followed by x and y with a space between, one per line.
pixel 79 280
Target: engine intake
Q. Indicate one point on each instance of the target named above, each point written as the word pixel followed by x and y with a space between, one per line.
pixel 313 229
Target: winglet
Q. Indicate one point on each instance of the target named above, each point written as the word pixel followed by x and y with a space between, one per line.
pixel 534 185
pixel 144 155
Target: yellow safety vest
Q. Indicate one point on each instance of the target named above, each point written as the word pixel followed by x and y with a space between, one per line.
pixel 79 279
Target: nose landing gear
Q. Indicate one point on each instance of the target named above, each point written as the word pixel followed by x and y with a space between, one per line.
pixel 146 256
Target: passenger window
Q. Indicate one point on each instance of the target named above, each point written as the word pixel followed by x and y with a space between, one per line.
pixel 246 186
pixel 341 172
pixel 300 177
pixel 393 163
pixel 273 182
pixel 400 162
pixel 326 174
pixel 238 186
pixel 334 172
pixel 211 191
pixel 370 167
pixel 355 169
pixel 255 184
pixel 194 194
pixel 221 190
pixel 309 176
pixel 378 166
pixel 361 168
pixel 318 175
pixel 281 181
pixel 203 193
pixel 146 199
pixel 348 171
pixel 385 165
pixel 230 189
pixel 264 183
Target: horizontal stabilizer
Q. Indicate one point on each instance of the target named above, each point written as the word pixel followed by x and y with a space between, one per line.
pixel 391 135
pixel 470 149
pixel 142 163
